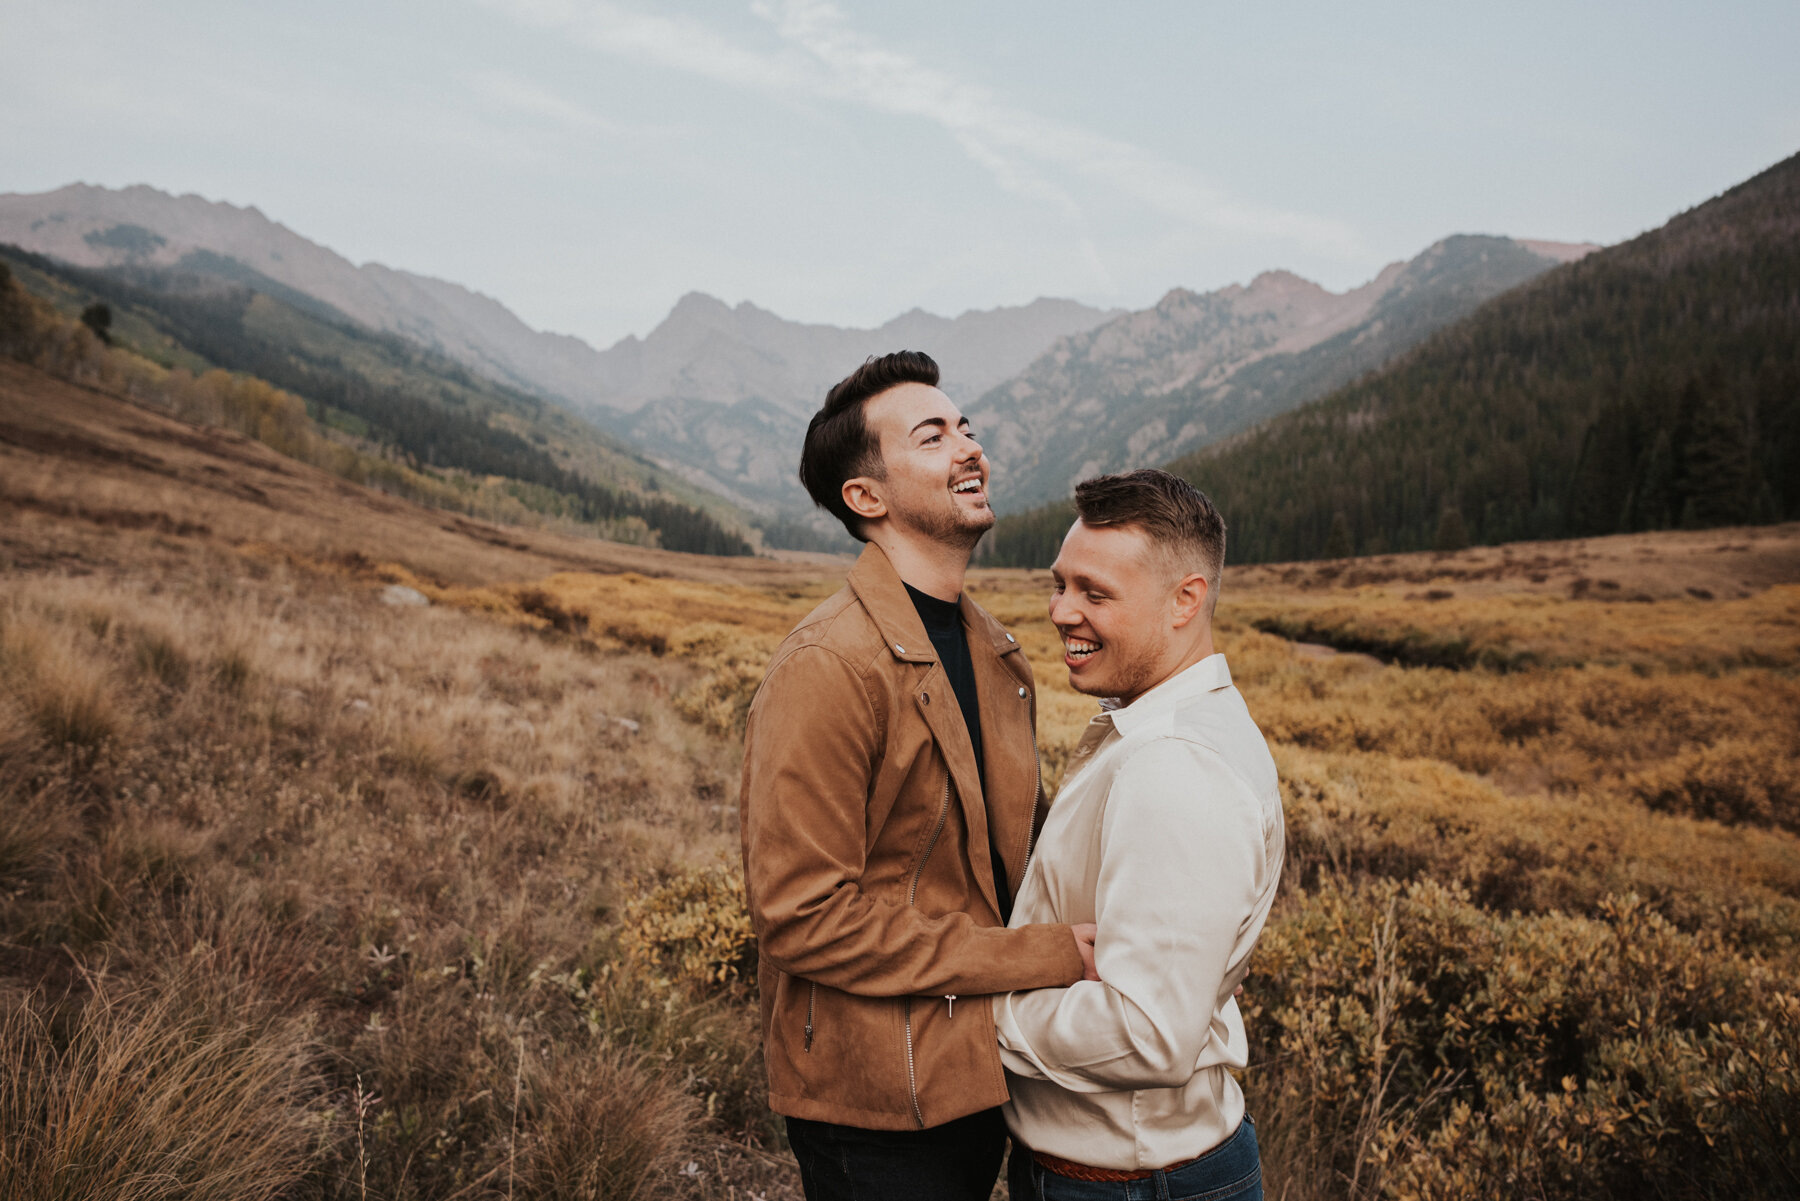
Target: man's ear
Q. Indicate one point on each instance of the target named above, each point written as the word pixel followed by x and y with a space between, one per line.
pixel 862 497
pixel 1189 599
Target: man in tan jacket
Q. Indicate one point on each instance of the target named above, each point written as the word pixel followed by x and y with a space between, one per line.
pixel 890 803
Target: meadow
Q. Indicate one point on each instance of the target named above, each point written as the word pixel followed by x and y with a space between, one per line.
pixel 306 894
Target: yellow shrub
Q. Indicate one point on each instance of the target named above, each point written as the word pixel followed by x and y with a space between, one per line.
pixel 692 930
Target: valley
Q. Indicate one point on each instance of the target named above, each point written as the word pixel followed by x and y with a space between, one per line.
pixel 416 833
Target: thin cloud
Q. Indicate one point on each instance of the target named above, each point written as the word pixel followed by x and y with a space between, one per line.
pixel 521 96
pixel 820 56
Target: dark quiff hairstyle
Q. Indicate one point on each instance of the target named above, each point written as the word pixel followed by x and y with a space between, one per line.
pixel 1185 530
pixel 839 445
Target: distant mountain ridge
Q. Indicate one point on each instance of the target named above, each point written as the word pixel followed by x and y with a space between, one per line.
pixel 1196 368
pixel 1651 385
pixel 90 226
pixel 715 392
pixel 723 394
pixel 456 431
pixel 703 350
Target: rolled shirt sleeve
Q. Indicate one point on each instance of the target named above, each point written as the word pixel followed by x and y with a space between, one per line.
pixel 1182 864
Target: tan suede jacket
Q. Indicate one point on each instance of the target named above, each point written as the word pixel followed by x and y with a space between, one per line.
pixel 866 862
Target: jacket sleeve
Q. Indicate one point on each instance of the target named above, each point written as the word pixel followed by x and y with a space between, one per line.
pixel 811 750
pixel 1181 868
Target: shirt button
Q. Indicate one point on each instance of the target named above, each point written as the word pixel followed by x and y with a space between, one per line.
pixel 925 698
pixel 899 649
pixel 1021 692
pixel 1010 638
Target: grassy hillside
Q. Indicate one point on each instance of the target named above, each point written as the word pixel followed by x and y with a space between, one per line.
pixel 431 413
pixel 1652 385
pixel 307 894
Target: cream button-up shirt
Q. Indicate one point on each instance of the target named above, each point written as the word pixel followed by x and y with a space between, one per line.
pixel 1168 833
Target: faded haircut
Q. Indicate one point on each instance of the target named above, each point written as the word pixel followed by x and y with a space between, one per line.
pixel 1185 531
pixel 839 445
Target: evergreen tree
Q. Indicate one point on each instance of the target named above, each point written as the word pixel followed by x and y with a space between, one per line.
pixel 1653 506
pixel 1338 543
pixel 1718 471
pixel 1452 532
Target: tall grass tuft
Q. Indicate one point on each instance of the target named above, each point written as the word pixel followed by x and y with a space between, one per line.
pixel 65 687
pixel 141 1095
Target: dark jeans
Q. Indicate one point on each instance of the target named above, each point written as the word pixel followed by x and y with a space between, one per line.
pixel 957 1161
pixel 1231 1171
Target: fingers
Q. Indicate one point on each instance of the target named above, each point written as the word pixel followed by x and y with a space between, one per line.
pixel 1085 933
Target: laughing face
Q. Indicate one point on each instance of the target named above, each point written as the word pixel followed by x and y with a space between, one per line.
pixel 1115 605
pixel 936 474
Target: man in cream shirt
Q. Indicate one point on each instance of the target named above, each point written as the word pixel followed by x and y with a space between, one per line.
pixel 1168 834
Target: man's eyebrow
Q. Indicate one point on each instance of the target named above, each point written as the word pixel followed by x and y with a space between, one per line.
pixel 937 421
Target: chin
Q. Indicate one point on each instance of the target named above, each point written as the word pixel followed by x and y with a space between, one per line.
pixel 1090 687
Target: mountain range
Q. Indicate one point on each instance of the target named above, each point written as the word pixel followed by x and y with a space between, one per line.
pixel 1197 367
pixel 719 394
pixel 715 392
pixel 1651 385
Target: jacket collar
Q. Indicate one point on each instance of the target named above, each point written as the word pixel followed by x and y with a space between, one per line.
pixel 1208 675
pixel 882 593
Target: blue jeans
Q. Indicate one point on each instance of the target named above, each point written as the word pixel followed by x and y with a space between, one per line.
pixel 1230 1170
pixel 958 1161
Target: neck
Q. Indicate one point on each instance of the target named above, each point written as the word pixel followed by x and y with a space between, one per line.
pixel 933 567
pixel 1200 649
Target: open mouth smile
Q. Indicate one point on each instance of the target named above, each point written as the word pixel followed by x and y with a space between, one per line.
pixel 967 487
pixel 1076 650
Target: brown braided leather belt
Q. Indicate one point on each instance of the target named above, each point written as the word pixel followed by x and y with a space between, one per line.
pixel 1081 1171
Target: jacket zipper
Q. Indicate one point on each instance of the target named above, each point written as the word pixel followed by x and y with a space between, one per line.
pixel 912 1079
pixel 912 895
pixel 812 994
pixel 912 892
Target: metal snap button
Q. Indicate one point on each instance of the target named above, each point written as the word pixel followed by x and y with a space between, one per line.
pixel 925 698
pixel 1021 691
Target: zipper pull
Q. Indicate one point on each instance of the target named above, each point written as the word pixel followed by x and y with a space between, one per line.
pixel 808 1045
pixel 951 1001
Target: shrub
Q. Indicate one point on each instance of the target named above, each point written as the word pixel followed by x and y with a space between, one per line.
pixel 692 930
pixel 1420 1046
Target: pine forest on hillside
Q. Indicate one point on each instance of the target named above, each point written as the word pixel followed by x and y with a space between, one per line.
pixel 1653 385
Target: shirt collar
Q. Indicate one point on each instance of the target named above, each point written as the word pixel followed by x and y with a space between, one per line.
pixel 1208 675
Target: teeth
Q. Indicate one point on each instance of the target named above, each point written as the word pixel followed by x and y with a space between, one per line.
pixel 1078 647
pixel 969 485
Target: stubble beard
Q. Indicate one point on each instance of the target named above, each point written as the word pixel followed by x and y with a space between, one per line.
pixel 949 526
pixel 1132 679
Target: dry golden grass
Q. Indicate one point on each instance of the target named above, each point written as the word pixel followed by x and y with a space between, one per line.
pixel 422 826
pixel 1530 900
pixel 88 480
pixel 443 896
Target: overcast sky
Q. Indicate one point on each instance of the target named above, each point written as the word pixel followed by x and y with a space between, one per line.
pixel 587 163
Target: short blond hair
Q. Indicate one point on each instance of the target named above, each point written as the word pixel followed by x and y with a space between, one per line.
pixel 1184 528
